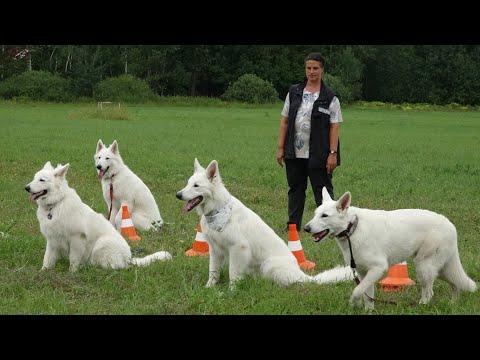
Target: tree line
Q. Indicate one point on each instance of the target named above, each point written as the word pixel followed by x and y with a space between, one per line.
pixel 435 74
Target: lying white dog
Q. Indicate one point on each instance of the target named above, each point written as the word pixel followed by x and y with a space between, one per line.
pixel 121 185
pixel 73 229
pixel 380 239
pixel 239 237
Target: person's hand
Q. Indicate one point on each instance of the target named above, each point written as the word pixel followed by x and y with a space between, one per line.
pixel 331 163
pixel 280 154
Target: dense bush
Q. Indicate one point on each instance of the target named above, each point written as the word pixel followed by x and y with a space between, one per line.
pixel 250 88
pixel 36 85
pixel 343 92
pixel 124 88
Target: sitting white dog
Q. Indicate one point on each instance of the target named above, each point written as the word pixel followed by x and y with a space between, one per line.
pixel 120 185
pixel 73 229
pixel 239 238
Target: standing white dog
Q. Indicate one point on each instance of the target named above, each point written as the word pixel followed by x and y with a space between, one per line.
pixel 238 236
pixel 73 229
pixel 121 185
pixel 380 239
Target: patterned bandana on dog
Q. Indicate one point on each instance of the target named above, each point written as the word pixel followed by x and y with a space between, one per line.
pixel 218 219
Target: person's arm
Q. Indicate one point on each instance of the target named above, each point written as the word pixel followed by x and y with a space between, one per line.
pixel 281 140
pixel 335 120
pixel 332 158
pixel 283 131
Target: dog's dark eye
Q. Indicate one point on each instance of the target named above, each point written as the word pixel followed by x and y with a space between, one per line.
pixel 196 185
pixel 324 215
pixel 42 180
pixel 107 158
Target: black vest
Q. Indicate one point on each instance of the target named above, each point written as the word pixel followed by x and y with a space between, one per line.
pixel 319 126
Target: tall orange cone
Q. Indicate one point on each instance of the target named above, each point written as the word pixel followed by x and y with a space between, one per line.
pixel 397 277
pixel 295 247
pixel 127 228
pixel 200 245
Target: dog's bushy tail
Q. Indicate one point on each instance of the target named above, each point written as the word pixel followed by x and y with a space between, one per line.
pixel 147 260
pixel 454 274
pixel 337 274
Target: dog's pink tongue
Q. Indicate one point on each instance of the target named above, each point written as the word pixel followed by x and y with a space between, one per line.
pixel 100 174
pixel 31 197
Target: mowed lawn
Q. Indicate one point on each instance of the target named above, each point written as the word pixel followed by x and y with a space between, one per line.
pixel 391 158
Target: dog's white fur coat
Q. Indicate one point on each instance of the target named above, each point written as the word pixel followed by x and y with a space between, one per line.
pixel 247 244
pixel 128 189
pixel 385 238
pixel 74 230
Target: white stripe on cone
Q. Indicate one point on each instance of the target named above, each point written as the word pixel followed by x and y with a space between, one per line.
pixel 127 223
pixel 295 245
pixel 200 236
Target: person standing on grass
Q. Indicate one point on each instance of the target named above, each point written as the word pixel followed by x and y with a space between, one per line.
pixel 309 144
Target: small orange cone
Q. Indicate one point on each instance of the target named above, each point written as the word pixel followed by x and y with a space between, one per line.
pixel 295 247
pixel 397 277
pixel 127 228
pixel 200 245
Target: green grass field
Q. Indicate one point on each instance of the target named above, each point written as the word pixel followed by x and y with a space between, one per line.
pixel 391 158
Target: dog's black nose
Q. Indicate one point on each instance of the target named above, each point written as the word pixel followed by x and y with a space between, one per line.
pixel 306 228
pixel 99 167
pixel 27 188
pixel 179 195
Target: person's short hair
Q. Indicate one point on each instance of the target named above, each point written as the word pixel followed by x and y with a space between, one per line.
pixel 317 57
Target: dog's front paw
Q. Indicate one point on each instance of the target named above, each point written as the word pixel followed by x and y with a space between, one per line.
pixel 74 268
pixel 355 301
pixel 211 282
pixel 369 306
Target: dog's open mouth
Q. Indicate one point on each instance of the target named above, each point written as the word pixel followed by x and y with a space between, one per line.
pixel 35 196
pixel 101 173
pixel 320 235
pixel 191 204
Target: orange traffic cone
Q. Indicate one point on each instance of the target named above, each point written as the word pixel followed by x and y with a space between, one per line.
pixel 127 228
pixel 200 245
pixel 397 277
pixel 295 247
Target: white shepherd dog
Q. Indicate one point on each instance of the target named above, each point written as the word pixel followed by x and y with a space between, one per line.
pixel 238 236
pixel 380 239
pixel 121 186
pixel 73 229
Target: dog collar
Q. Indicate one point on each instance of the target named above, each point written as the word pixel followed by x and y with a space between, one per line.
pixel 350 228
pixel 49 215
pixel 218 219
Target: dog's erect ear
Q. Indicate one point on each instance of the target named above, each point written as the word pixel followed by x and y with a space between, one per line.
pixel 212 170
pixel 48 166
pixel 61 170
pixel 325 195
pixel 344 202
pixel 196 166
pixel 114 147
pixel 100 145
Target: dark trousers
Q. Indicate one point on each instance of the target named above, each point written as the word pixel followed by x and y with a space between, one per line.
pixel 297 174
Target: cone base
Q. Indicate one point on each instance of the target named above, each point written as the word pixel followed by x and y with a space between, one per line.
pixel 192 252
pixel 134 238
pixel 392 284
pixel 307 265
